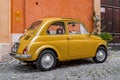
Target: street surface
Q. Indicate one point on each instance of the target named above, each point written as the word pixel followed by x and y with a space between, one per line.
pixel 72 70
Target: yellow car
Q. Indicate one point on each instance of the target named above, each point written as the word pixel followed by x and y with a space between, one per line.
pixel 58 39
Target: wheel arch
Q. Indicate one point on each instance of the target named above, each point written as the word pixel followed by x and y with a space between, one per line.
pixel 41 49
pixel 102 46
pixel 51 50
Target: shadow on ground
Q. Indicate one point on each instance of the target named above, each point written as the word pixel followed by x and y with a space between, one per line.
pixel 30 68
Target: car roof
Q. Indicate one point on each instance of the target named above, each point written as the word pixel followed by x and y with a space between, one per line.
pixel 54 19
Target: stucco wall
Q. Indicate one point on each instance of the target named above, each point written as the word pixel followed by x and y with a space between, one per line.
pixel 97 6
pixel 27 11
pixel 4 21
pixel 5 30
pixel 97 9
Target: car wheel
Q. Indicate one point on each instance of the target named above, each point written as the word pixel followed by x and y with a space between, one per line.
pixel 101 55
pixel 46 60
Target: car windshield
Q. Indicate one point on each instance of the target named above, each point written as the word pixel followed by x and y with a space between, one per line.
pixel 34 25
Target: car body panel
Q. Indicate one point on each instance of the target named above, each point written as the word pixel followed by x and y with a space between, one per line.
pixel 67 46
pixel 78 45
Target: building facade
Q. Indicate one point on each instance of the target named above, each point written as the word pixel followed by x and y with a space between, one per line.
pixel 17 15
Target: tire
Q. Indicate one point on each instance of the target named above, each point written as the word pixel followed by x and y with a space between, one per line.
pixel 46 61
pixel 101 55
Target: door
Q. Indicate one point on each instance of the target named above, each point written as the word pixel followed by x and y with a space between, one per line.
pixel 110 11
pixel 117 25
pixel 56 37
pixel 79 41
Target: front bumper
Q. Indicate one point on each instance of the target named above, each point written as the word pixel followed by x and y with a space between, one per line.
pixel 21 56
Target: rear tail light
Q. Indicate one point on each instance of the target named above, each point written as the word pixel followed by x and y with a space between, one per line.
pixel 25 50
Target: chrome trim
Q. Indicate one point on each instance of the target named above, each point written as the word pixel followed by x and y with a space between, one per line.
pixel 47 60
pixel 101 55
pixel 24 56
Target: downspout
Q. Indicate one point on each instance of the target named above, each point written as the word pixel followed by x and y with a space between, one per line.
pixel 24 17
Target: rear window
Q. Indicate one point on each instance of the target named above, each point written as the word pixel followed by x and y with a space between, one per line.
pixel 34 25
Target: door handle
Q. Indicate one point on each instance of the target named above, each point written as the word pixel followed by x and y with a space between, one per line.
pixel 69 38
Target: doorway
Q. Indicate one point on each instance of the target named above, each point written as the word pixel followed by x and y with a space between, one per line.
pixel 110 13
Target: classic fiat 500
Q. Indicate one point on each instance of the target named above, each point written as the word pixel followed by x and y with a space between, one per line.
pixel 58 39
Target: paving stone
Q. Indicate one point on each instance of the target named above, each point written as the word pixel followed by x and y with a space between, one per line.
pixel 73 70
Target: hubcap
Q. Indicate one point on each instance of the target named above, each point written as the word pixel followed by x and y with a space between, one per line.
pixel 100 55
pixel 47 60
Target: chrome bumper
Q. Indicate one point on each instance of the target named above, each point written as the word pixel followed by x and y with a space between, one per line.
pixel 23 56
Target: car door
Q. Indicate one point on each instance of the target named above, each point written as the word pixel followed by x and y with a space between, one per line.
pixel 57 38
pixel 80 43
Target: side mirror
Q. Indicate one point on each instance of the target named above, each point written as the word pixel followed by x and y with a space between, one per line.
pixel 90 33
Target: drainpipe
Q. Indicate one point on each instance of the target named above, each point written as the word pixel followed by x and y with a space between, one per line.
pixel 24 14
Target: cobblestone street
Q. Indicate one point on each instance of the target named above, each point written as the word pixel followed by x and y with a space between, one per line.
pixel 72 70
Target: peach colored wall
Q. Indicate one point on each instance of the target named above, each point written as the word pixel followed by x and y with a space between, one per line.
pixel 5 21
pixel 5 30
pixel 17 13
pixel 32 10
pixel 97 9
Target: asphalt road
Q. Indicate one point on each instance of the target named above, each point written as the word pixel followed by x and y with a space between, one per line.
pixel 72 70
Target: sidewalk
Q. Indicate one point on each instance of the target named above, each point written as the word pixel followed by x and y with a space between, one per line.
pixel 114 46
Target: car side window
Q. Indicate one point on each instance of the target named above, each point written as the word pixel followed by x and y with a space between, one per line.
pixel 76 28
pixel 57 28
pixel 83 29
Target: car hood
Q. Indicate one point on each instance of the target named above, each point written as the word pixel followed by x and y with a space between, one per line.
pixel 96 37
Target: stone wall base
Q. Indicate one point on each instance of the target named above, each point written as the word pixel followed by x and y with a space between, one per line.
pixel 114 46
pixel 4 52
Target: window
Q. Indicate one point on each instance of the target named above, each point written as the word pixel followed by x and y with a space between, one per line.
pixel 34 25
pixel 76 28
pixel 83 29
pixel 56 28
